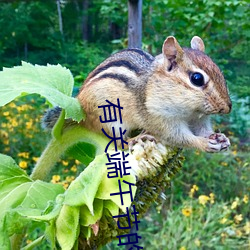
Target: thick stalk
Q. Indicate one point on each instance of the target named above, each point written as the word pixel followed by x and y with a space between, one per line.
pixel 57 147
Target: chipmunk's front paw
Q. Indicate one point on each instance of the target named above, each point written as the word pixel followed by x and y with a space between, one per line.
pixel 217 142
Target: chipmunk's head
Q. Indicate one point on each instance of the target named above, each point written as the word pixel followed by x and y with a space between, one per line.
pixel 198 77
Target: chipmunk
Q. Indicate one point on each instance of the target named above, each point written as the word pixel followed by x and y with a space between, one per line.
pixel 170 96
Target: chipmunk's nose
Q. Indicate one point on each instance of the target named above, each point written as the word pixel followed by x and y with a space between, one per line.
pixel 227 108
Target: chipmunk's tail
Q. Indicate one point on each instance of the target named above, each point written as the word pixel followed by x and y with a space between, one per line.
pixel 50 117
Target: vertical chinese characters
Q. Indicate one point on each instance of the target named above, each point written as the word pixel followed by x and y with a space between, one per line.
pixel 118 167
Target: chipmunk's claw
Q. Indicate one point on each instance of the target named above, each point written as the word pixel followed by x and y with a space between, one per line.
pixel 218 142
pixel 141 139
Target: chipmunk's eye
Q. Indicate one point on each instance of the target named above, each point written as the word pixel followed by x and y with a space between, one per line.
pixel 197 79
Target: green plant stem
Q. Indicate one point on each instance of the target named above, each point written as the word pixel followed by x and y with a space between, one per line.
pixel 57 147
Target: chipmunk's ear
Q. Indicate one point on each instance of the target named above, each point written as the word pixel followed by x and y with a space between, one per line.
pixel 171 49
pixel 197 43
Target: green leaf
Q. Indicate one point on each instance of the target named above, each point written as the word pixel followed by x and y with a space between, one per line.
pixel 39 194
pixel 86 218
pixel 6 186
pixel 83 189
pixel 58 127
pixel 50 234
pixel 93 183
pixel 14 223
pixel 26 202
pixel 47 215
pixel 53 82
pixel 20 198
pixel 9 168
pixel 110 185
pixel 83 152
pixel 4 240
pixel 67 226
pixel 111 206
pixel 14 198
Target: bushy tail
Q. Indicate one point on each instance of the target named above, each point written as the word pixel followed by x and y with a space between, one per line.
pixel 50 118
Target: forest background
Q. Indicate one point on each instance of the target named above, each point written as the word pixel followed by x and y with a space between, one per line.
pixel 207 206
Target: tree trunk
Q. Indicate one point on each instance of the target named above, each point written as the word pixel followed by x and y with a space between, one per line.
pixel 59 16
pixel 85 20
pixel 134 23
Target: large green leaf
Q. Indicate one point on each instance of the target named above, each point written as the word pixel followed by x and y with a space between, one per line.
pixel 22 200
pixel 53 82
pixel 86 218
pixel 39 194
pixel 67 226
pixel 110 185
pixel 83 189
pixel 6 186
pixel 93 183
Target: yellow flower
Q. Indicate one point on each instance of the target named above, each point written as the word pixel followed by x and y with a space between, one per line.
pixel 234 152
pixel 6 149
pixel 187 211
pixel 6 141
pixel 223 235
pixel 6 113
pixel 193 190
pixel 223 220
pixel 238 233
pixel 235 203
pixel 29 124
pixel 55 178
pixel 12 105
pixel 183 248
pixel 203 199
pixel 35 159
pixel 238 218
pixel 247 227
pixel 23 107
pixel 73 168
pixel 14 123
pixel 77 162
pixel 23 164
pixel 224 164
pixel 245 199
pixel 197 242
pixel 24 154
pixel 238 159
pixel 70 178
pixel 65 163
pixel 65 185
pixel 225 207
pixel 4 134
pixel 211 195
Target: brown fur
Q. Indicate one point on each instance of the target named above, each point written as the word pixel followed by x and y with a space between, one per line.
pixel 157 94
